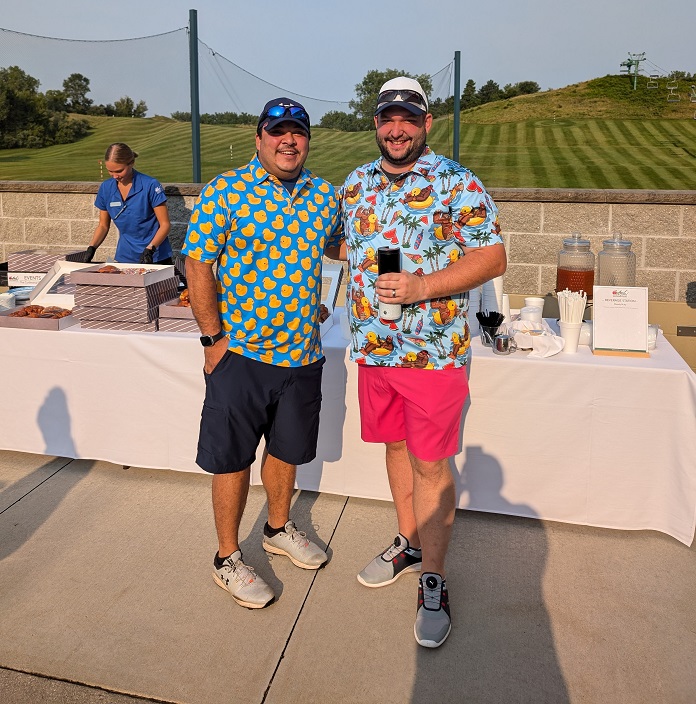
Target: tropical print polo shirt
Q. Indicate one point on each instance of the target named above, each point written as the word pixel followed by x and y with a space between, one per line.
pixel 268 245
pixel 433 213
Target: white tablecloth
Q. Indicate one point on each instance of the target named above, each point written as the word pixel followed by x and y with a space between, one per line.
pixel 602 441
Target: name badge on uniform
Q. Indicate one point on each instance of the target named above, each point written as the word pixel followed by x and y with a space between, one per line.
pixel 115 204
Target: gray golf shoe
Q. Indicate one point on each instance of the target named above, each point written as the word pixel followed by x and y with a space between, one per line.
pixel 433 623
pixel 242 582
pixel 297 546
pixel 389 565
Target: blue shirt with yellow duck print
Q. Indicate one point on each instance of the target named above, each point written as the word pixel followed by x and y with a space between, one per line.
pixel 433 213
pixel 269 246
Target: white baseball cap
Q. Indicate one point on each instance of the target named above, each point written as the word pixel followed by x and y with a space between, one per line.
pixel 404 92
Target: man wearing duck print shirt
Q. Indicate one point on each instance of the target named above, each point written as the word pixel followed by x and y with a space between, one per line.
pixel 412 380
pixel 265 225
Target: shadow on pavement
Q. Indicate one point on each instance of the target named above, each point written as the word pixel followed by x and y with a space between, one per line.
pixel 501 648
pixel 53 419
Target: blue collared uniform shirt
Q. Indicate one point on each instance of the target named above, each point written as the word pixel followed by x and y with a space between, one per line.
pixel 135 217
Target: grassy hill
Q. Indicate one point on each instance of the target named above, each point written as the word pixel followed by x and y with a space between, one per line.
pixel 598 134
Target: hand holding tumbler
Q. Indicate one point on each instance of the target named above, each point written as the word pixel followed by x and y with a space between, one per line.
pixel 389 262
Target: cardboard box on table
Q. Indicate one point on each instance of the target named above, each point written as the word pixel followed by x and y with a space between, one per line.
pixel 134 275
pixel 6 321
pixel 52 290
pixel 177 318
pixel 29 267
pixel 123 301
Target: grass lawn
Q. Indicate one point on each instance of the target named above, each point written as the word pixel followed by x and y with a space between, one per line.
pixel 599 134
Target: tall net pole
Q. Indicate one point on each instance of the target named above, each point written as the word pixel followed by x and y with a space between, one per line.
pixel 457 95
pixel 195 109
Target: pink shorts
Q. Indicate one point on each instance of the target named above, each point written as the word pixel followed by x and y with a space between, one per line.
pixel 422 406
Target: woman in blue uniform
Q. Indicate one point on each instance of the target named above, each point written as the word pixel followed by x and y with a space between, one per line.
pixel 137 205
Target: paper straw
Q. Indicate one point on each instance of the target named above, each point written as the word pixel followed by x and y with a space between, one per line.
pixel 571 305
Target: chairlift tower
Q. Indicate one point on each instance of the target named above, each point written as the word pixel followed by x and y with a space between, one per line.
pixel 631 66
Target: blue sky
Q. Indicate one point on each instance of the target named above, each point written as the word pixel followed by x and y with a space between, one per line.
pixel 322 49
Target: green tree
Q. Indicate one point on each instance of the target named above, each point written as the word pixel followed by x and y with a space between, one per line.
pixel 108 110
pixel 75 88
pixel 528 87
pixel 469 98
pixel 337 120
pixel 25 120
pixel 125 107
pixel 489 92
pixel 523 88
pixel 140 110
pixel 56 101
pixel 440 107
pixel 22 108
pixel 367 90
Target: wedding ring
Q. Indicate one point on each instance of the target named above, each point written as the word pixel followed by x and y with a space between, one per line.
pixel 393 293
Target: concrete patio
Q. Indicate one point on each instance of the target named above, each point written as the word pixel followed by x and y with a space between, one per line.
pixel 106 595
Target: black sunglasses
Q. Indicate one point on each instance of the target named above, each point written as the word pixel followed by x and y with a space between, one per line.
pixel 401 96
pixel 283 111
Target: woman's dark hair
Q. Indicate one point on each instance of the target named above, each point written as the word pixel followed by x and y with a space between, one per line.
pixel 120 153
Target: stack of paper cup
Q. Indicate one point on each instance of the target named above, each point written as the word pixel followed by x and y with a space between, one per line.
pixel 570 332
pixel 531 313
pixel 474 307
pixel 492 295
pixel 535 301
pixel 506 308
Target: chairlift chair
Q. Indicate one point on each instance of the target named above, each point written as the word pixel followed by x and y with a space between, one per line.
pixel 673 97
pixel 693 94
pixel 652 81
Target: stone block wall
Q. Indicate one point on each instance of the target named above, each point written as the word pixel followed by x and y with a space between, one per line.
pixel 660 224
pixel 60 216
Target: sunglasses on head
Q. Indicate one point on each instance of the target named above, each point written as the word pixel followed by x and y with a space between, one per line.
pixel 283 111
pixel 401 96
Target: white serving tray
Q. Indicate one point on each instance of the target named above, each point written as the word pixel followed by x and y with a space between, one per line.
pixel 41 295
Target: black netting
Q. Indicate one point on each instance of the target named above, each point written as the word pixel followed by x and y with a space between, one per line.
pixel 156 69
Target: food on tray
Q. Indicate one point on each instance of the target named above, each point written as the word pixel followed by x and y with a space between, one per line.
pixel 323 313
pixel 184 299
pixel 140 271
pixel 111 269
pixel 40 312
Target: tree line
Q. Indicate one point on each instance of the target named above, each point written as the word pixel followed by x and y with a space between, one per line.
pixel 219 118
pixel 366 92
pixel 30 118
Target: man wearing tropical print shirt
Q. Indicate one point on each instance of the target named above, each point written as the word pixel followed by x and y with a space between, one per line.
pixel 412 381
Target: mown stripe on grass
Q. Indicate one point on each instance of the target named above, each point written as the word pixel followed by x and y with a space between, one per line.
pixel 598 171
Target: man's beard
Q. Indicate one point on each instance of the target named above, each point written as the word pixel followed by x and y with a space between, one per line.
pixel 410 155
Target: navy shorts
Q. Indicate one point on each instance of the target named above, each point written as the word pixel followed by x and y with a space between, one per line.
pixel 246 400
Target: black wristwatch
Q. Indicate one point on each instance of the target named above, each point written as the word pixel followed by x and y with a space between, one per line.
pixel 210 340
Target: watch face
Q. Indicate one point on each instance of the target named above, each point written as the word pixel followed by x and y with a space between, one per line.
pixel 210 340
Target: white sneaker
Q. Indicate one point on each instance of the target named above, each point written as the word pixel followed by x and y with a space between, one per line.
pixel 240 580
pixel 297 546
